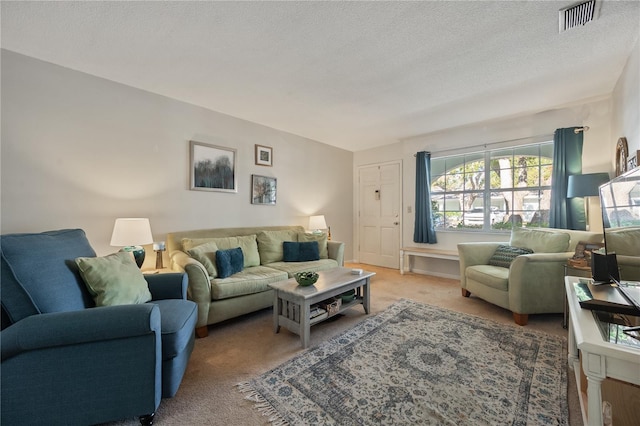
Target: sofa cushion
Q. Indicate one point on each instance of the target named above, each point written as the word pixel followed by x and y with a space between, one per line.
pixel 251 280
pixel 114 279
pixel 504 255
pixel 300 252
pixel 625 241
pixel 270 244
pixel 292 267
pixel 247 243
pixel 229 262
pixel 41 274
pixel 321 238
pixel 206 254
pixel 492 276
pixel 540 241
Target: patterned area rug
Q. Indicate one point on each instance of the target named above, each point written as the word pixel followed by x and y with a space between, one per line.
pixel 420 364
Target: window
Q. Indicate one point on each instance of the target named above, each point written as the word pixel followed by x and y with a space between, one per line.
pixel 493 190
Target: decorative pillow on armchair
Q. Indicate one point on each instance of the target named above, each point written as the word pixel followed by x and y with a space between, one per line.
pixel 504 255
pixel 114 279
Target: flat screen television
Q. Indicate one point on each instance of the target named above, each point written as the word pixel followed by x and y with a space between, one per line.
pixel 620 202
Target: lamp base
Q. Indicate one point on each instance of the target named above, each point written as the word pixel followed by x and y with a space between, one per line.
pixel 137 252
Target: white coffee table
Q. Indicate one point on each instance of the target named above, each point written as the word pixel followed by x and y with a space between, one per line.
pixel 292 302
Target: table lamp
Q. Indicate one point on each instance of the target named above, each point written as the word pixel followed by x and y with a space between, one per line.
pixel 317 223
pixel 586 186
pixel 131 234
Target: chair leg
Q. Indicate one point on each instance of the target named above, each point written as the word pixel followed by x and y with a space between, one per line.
pixel 465 292
pixel 147 420
pixel 202 331
pixel 521 319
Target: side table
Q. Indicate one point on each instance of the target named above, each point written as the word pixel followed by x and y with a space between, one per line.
pixel 578 271
pixel 601 361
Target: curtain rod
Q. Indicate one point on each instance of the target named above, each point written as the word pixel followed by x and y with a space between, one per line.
pixel 486 145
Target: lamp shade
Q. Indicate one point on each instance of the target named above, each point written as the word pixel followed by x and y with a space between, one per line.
pixel 317 222
pixel 585 185
pixel 131 232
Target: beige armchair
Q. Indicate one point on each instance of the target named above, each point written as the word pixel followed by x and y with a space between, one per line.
pixel 533 283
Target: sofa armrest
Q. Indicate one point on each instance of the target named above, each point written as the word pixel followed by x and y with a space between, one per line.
pixel 80 327
pixel 536 283
pixel 474 254
pixel 336 251
pixel 168 286
pixel 199 289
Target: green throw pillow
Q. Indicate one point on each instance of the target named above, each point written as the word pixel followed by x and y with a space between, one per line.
pixel 114 279
pixel 206 254
pixel 321 238
pixel 504 255
pixel 270 244
pixel 247 243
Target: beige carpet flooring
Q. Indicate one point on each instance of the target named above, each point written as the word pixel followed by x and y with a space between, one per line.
pixel 242 348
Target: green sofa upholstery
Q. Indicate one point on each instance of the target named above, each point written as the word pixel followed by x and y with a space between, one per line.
pixel 625 243
pixel 534 283
pixel 219 299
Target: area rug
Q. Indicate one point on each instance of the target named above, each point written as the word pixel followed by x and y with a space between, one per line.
pixel 420 364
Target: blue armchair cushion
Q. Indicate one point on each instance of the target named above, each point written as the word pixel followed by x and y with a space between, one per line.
pixel 504 255
pixel 39 274
pixel 300 252
pixel 229 262
pixel 114 279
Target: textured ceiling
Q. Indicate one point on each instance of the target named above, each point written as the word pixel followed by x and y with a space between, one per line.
pixel 350 74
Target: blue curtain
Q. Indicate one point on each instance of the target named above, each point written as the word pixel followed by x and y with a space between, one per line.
pixel 566 213
pixel 423 232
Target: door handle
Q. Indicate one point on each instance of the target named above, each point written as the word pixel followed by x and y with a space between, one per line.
pixel 396 223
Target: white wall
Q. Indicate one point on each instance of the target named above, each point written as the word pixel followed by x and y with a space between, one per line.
pixel 626 105
pixel 596 158
pixel 80 151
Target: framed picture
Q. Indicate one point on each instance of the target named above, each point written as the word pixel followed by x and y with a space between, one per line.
pixel 213 168
pixel 263 190
pixel 264 155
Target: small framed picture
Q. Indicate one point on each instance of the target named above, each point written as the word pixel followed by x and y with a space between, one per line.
pixel 213 168
pixel 263 190
pixel 264 155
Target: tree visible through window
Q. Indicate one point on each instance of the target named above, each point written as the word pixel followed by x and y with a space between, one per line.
pixel 493 190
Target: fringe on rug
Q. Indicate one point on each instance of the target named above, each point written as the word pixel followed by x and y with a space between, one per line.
pixel 262 405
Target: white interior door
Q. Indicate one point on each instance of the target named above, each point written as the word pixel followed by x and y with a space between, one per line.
pixel 379 214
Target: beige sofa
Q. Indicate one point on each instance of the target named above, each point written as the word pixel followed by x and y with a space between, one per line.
pixel 531 283
pixel 247 291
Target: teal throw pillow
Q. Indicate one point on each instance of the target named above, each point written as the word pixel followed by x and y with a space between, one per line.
pixel 229 262
pixel 504 255
pixel 300 252
pixel 114 279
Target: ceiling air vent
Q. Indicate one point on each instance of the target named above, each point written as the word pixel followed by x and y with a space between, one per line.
pixel 576 15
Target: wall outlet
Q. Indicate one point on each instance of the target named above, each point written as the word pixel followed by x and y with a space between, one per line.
pixel 409 209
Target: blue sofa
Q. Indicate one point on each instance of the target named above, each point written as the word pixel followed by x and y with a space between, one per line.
pixel 67 362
